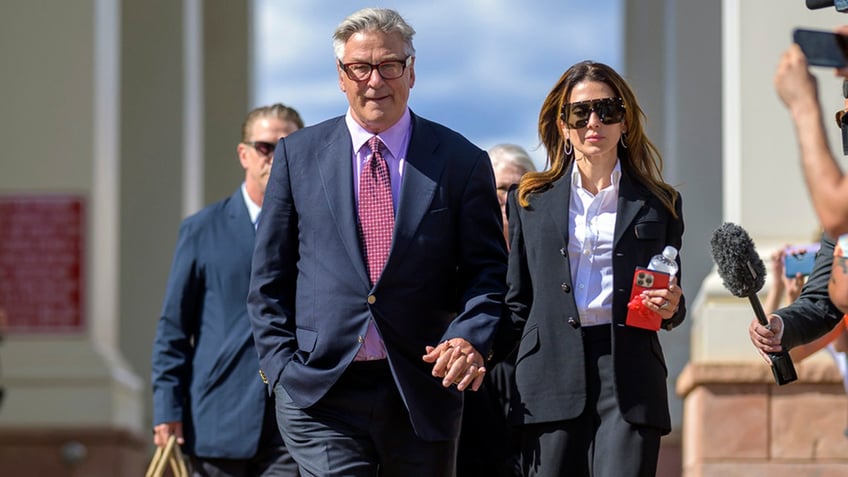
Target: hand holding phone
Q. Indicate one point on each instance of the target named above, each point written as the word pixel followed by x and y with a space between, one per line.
pixel 799 259
pixel 638 314
pixel 822 48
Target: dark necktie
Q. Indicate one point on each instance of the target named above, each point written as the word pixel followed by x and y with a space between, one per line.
pixel 376 214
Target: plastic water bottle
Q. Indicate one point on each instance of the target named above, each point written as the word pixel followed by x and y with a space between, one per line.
pixel 664 262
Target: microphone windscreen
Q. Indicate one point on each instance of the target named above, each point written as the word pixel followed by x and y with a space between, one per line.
pixel 739 264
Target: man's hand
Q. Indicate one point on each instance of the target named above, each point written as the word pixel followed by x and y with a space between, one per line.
pixel 457 362
pixel 767 339
pixel 161 433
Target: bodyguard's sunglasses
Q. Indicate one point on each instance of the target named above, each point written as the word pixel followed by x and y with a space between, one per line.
pixel 262 147
pixel 609 111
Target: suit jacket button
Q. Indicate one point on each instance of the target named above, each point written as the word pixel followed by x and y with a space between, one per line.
pixel 574 323
pixel 361 339
pixel 372 299
pixel 563 252
pixel 566 287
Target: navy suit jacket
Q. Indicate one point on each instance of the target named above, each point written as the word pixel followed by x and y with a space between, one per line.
pixel 205 369
pixel 310 298
pixel 549 369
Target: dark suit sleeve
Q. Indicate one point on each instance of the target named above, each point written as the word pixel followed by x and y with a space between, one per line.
pixel 812 315
pixel 172 349
pixel 482 259
pixel 271 299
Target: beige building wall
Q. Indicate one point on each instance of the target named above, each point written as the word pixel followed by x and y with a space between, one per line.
pixel 703 72
pixel 136 106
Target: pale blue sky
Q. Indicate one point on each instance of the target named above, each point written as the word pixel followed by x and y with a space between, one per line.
pixel 483 67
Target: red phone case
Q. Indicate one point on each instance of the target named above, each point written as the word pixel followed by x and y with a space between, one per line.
pixel 638 314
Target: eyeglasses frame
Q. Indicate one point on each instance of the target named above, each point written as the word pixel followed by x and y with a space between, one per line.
pixel 404 65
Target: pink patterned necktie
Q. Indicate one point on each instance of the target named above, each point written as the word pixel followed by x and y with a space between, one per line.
pixel 376 213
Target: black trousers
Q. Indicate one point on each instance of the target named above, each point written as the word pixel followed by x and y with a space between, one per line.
pixel 599 442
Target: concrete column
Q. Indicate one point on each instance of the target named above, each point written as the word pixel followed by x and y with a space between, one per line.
pixel 134 106
pixel 61 130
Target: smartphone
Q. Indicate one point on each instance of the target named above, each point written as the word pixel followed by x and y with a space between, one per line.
pixel 822 48
pixel 800 259
pixel 637 315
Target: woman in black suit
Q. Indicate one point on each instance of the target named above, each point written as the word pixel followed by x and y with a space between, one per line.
pixel 591 389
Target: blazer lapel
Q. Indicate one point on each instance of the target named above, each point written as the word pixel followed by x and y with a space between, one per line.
pixel 421 175
pixel 559 198
pixel 631 198
pixel 336 171
pixel 242 231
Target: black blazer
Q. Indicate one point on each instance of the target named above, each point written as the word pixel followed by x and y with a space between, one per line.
pixel 550 376
pixel 310 299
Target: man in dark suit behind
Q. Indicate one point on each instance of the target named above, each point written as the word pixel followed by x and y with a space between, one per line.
pixel 206 389
pixel 378 273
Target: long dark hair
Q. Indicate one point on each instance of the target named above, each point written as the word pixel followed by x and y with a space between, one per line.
pixel 640 159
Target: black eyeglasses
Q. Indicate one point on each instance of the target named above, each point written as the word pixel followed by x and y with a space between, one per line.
pixel 391 69
pixel 609 111
pixel 262 147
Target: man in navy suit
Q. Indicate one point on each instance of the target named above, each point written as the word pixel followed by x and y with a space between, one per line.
pixel 378 274
pixel 206 389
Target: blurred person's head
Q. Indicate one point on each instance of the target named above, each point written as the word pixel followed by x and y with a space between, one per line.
pixel 262 129
pixel 375 62
pixel 509 162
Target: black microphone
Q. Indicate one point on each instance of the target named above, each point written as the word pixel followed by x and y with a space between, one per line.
pixel 743 274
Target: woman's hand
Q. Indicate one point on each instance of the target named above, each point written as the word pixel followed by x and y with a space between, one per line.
pixel 664 301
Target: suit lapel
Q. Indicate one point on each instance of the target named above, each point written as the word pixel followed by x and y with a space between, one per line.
pixel 241 230
pixel 336 171
pixel 558 200
pixel 631 198
pixel 421 175
pixel 238 221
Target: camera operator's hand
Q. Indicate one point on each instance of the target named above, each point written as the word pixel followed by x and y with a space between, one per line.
pixel 797 88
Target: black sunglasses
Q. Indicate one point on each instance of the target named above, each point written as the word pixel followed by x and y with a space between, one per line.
pixel 609 111
pixel 262 147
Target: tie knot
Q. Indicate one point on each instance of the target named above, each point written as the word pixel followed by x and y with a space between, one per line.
pixel 374 143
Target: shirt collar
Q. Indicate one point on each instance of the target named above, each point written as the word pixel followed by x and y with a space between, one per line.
pixel 615 176
pixel 252 209
pixel 392 137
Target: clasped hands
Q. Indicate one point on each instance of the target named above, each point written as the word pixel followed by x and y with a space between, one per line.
pixel 457 363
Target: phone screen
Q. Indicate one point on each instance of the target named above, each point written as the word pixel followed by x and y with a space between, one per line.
pixel 800 259
pixel 822 48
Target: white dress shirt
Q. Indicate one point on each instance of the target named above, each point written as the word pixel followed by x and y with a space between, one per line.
pixel 591 225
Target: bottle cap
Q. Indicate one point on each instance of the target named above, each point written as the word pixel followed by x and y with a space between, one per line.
pixel 669 252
